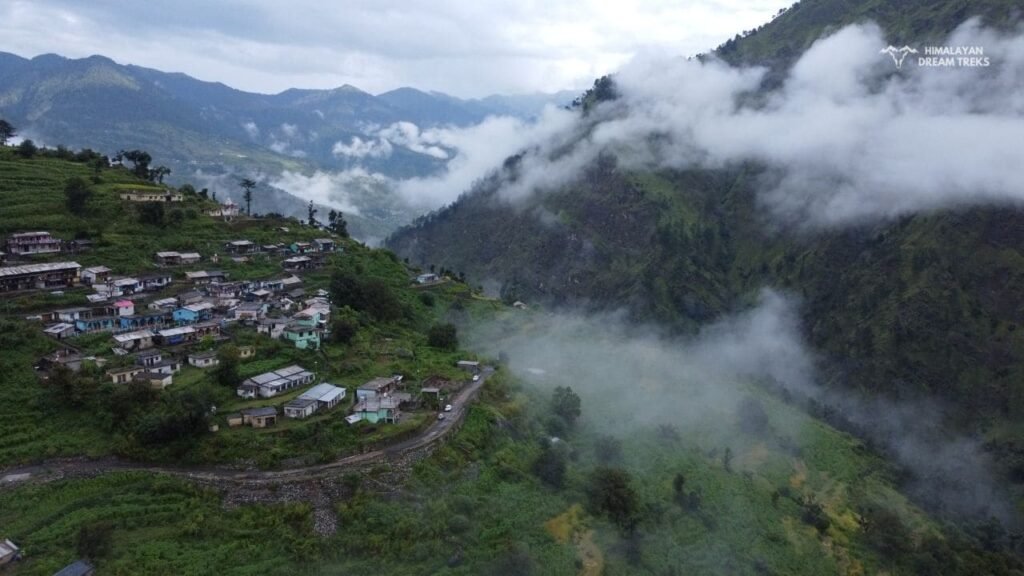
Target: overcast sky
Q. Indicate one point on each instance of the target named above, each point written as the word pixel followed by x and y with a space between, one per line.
pixel 465 47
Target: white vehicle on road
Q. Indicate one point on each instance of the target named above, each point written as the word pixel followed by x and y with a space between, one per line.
pixel 476 377
pixel 448 408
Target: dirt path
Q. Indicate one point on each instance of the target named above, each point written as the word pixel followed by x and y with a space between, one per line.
pixel 57 469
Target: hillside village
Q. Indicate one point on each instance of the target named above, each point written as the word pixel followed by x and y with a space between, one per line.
pixel 222 311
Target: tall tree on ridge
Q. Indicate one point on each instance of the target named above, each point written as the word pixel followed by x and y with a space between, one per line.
pixel 7 132
pixel 247 184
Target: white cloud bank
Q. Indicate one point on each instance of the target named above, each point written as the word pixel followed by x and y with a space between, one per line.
pixel 469 153
pixel 844 139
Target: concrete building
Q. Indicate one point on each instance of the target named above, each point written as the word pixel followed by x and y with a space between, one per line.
pixel 95 275
pixel 378 387
pixel 203 359
pixel 260 417
pixel 270 384
pixel 300 408
pixel 46 276
pixel 28 243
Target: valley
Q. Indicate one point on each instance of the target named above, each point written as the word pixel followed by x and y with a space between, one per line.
pixel 750 311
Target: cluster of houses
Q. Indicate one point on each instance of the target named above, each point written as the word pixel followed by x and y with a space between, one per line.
pixel 57 275
pixel 146 330
pixel 148 365
pixel 378 400
pixel 277 307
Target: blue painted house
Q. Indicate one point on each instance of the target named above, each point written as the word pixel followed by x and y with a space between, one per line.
pixel 144 320
pixel 193 313
pixel 96 324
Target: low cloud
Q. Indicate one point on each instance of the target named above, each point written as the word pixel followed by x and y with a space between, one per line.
pixel 468 154
pixel 252 130
pixel 637 376
pixel 409 135
pixel 846 138
pixel 475 152
pixel 339 190
pixel 359 148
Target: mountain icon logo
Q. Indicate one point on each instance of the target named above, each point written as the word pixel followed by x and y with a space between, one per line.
pixel 898 54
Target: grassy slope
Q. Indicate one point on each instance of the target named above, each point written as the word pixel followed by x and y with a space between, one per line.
pixel 475 507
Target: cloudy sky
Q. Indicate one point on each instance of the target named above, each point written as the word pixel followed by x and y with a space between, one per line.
pixel 463 47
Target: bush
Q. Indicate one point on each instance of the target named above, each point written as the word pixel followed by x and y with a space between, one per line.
pixel 27 149
pixel 371 296
pixel 151 213
pixel 611 492
pixel 608 449
pixel 550 466
pixel 443 337
pixel 226 372
pixel 76 195
pixel 343 330
pixel 566 404
pixel 93 540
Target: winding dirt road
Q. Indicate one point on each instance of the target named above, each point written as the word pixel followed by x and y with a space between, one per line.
pixel 71 467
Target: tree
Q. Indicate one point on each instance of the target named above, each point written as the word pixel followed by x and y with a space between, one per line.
pixel 608 449
pixel 247 185
pixel 27 149
pixel 427 299
pixel 178 418
pixel 176 217
pixel 76 195
pixel 7 132
pixel 226 372
pixel 336 222
pixel 611 492
pixel 157 174
pixel 312 213
pixel 140 162
pixel 443 337
pixel 679 488
pixel 187 190
pixel 550 466
pixel 372 296
pixel 344 330
pixel 151 213
pixel 566 405
pixel 94 539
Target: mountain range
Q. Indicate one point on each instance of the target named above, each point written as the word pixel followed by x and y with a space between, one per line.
pixel 211 134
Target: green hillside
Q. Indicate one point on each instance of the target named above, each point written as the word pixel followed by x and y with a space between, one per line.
pixel 790 496
pixel 780 42
pixel 923 309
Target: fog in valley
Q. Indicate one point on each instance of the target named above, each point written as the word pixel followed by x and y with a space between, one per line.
pixel 633 378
